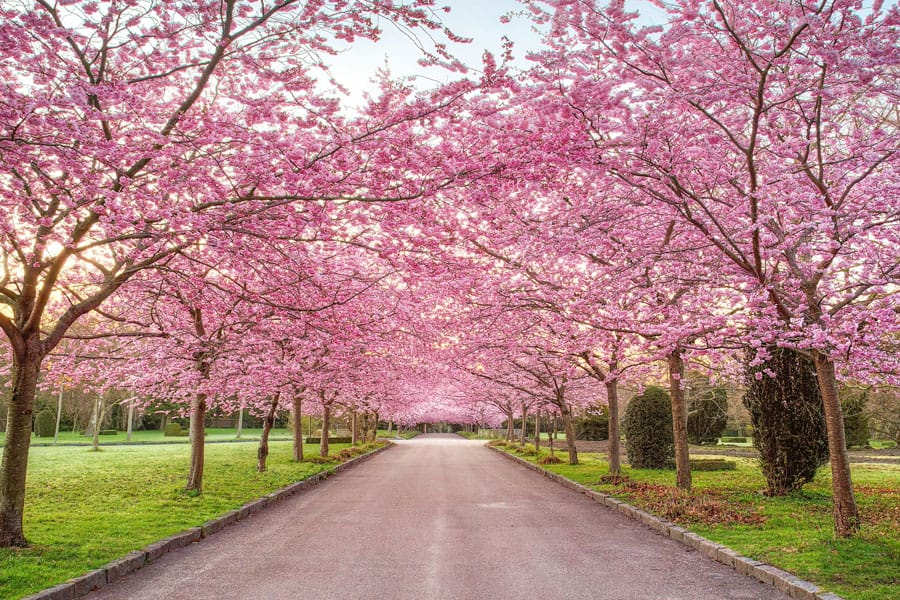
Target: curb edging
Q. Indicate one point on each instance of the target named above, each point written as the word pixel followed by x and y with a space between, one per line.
pixel 766 573
pixel 137 559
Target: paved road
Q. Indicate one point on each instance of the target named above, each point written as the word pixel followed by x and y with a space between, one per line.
pixel 437 517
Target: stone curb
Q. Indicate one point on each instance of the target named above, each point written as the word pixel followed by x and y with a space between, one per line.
pixel 83 585
pixel 782 580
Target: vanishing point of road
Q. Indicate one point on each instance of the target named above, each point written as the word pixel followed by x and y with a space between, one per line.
pixel 438 517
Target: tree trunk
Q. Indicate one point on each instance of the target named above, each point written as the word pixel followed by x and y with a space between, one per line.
pixel 354 427
pixel 198 435
pixel 537 431
pixel 326 423
pixel 846 514
pixel 98 418
pixel 20 408
pixel 130 422
pixel 566 415
pixel 298 428
pixel 679 420
pixel 58 415
pixel 522 436
pixel 240 423
pixel 390 428
pixel 262 453
pixel 510 429
pixel 615 452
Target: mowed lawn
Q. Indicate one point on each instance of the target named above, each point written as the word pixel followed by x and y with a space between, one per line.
pixel 84 509
pixel 155 436
pixel 794 533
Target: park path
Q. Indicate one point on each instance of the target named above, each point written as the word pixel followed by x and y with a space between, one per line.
pixel 436 517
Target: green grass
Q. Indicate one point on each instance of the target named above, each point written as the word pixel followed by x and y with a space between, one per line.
pixel 794 533
pixel 155 435
pixel 84 509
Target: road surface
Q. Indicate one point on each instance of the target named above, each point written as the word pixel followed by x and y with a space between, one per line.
pixel 437 517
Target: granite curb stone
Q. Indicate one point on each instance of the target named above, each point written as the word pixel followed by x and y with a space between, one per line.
pixel 768 574
pixel 80 586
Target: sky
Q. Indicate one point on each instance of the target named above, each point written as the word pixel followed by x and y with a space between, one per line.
pixel 476 19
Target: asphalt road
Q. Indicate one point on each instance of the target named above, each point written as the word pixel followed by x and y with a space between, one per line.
pixel 437 517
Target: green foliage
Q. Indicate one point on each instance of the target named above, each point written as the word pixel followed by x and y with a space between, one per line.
pixel 648 430
pixel 319 460
pixel 707 411
pixel 856 421
pixel 549 460
pixel 175 430
pixel 108 432
pixel 788 420
pixel 712 464
pixel 594 425
pixel 45 423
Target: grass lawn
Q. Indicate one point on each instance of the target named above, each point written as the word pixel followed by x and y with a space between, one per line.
pixel 406 435
pixel 84 509
pixel 794 533
pixel 155 435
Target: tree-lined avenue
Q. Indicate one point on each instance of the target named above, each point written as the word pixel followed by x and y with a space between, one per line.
pixel 436 517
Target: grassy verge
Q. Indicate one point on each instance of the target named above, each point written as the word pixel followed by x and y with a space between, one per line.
pixel 406 435
pixel 155 436
pixel 84 509
pixel 793 533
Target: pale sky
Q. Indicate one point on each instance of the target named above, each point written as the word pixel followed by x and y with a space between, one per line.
pixel 476 19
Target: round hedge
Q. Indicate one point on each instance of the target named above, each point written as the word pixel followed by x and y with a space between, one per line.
pixel 648 430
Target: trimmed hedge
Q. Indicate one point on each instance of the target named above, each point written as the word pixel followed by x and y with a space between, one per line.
pixel 45 423
pixel 175 430
pixel 733 440
pixel 647 425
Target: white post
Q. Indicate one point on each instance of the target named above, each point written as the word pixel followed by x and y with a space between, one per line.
pixel 58 415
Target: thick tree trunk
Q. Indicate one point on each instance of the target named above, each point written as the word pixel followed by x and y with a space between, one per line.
pixel 510 429
pixel 679 420
pixel 537 430
pixel 298 429
pixel 846 514
pixel 262 452
pixel 615 452
pixel 198 441
pixel 390 428
pixel 566 415
pixel 326 423
pixel 354 428
pixel 20 408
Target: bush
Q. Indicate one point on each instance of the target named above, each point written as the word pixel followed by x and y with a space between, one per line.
pixel 648 430
pixel 175 430
pixel 593 426
pixel 320 460
pixel 549 460
pixel 856 421
pixel 712 464
pixel 788 420
pixel 45 423
pixel 346 454
pixel 707 412
pixel 498 443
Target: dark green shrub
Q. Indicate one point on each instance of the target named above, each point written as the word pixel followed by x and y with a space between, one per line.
pixel 108 432
pixel 856 421
pixel 175 430
pixel 712 464
pixel 45 423
pixel 707 411
pixel 648 430
pixel 788 420
pixel 593 426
